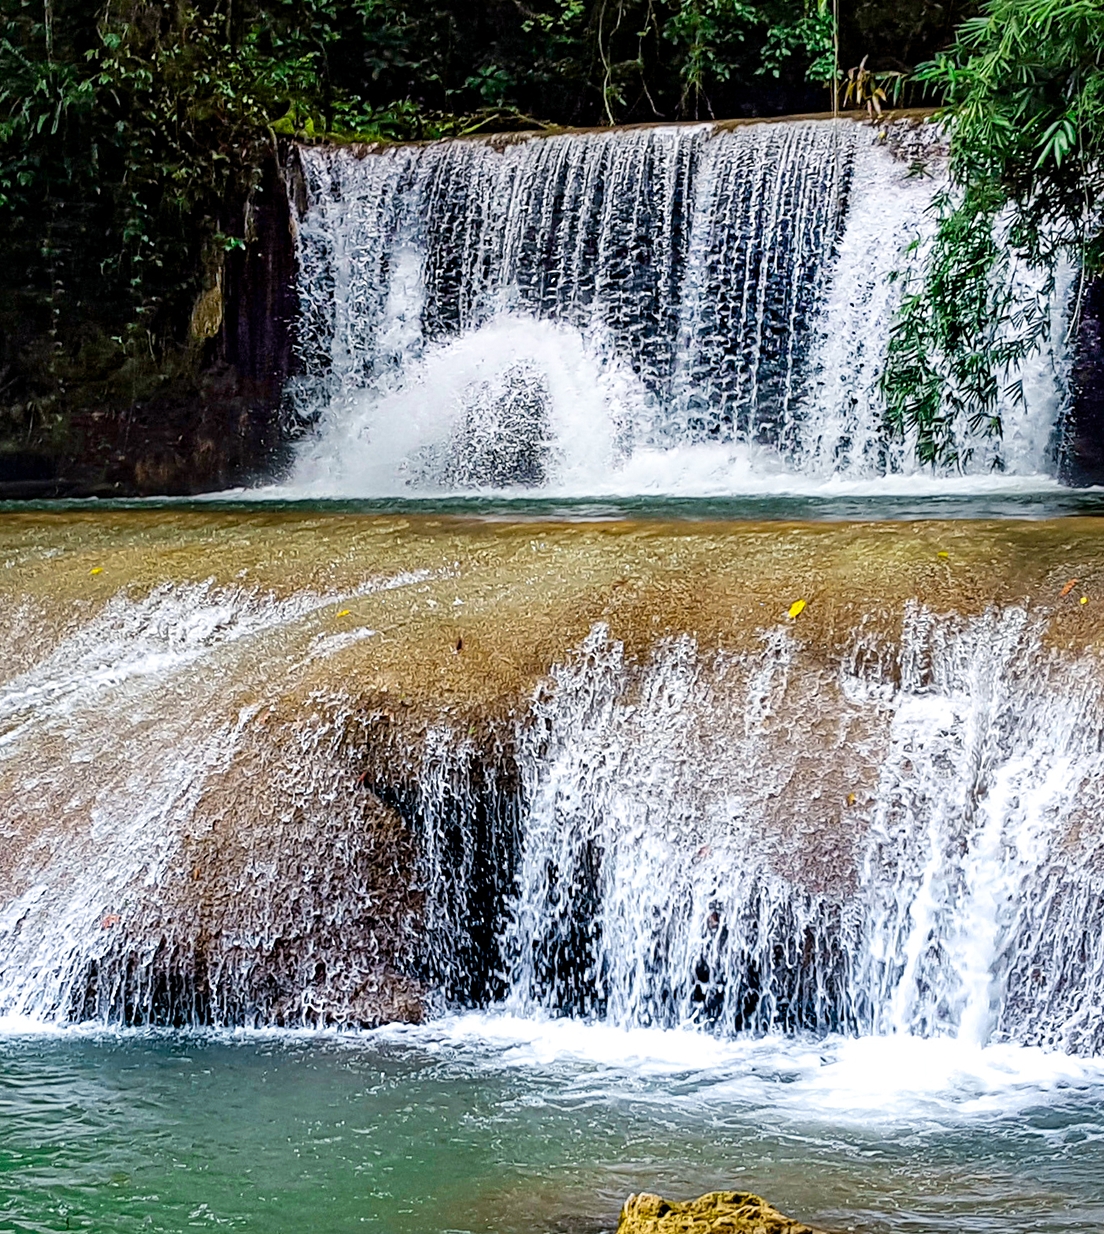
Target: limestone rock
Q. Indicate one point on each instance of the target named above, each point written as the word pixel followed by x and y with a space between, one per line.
pixel 719 1212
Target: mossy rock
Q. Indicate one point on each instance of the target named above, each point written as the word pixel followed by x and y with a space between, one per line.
pixel 719 1212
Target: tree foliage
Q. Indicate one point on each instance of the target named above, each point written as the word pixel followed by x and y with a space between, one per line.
pixel 1024 105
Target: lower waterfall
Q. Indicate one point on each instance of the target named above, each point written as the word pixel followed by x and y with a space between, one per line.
pixel 234 804
pixel 904 845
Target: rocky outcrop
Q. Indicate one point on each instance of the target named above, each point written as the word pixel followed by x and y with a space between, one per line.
pixel 200 415
pixel 719 1212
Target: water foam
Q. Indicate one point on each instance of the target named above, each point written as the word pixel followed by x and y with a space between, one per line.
pixel 446 425
pixel 887 1082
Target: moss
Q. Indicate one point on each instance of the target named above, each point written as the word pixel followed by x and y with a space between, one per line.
pixel 719 1212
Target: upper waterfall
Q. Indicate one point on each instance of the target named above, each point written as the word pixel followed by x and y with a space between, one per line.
pixel 692 309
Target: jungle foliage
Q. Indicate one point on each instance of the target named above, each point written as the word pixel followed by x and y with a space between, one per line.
pixel 1024 93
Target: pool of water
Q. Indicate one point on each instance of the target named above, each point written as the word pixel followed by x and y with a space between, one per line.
pixel 485 1123
pixel 990 497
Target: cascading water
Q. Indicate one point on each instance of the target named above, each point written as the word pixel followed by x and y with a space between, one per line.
pixel 128 751
pixel 880 818
pixel 727 892
pixel 903 844
pixel 692 309
pixel 894 832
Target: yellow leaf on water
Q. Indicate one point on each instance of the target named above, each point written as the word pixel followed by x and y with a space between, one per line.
pixel 96 570
pixel 797 608
pixel 344 612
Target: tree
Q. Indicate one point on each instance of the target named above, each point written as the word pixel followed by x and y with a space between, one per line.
pixel 1023 91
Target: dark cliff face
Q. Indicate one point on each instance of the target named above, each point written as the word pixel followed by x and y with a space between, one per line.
pixel 1082 450
pixel 202 418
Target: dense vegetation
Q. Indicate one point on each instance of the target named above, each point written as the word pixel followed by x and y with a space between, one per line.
pixel 1024 91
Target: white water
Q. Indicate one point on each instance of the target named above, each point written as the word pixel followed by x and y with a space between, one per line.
pixel 902 841
pixel 107 747
pixel 904 846
pixel 905 842
pixel 881 1082
pixel 677 310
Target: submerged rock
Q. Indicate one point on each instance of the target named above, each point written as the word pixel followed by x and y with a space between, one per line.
pixel 719 1212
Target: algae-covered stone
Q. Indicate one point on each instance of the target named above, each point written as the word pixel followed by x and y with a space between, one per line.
pixel 719 1212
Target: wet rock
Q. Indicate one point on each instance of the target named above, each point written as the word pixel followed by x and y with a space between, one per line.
pixel 1081 455
pixel 86 418
pixel 719 1212
pixel 502 438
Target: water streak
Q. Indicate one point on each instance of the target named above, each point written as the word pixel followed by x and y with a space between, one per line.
pixel 896 835
pixel 682 863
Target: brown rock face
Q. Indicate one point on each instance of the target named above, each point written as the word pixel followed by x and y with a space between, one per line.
pixel 719 1212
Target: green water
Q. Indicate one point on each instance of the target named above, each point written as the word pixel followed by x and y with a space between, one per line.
pixel 1008 500
pixel 466 1127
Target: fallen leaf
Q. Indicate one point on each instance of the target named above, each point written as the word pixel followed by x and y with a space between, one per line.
pixel 96 570
pixel 943 554
pixel 796 608
pixel 1068 587
pixel 112 919
pixel 1084 599
pixel 344 612
pixel 851 799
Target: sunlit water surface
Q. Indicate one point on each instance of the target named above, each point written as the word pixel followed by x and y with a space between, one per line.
pixel 484 1123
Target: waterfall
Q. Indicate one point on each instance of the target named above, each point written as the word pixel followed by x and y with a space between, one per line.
pixel 133 747
pixel 905 845
pixel 887 827
pixel 684 309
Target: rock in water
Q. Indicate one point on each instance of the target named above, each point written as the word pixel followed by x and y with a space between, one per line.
pixel 719 1212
